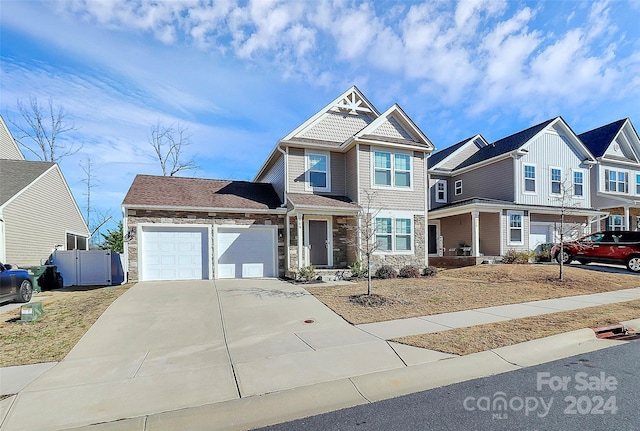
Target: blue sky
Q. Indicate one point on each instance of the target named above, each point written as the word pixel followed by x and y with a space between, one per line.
pixel 241 75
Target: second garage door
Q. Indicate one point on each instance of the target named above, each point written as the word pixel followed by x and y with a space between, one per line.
pixel 246 252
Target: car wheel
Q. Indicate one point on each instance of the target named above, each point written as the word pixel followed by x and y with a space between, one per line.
pixel 633 263
pixel 564 256
pixel 25 291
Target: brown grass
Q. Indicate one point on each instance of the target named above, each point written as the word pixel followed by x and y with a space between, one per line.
pixel 69 313
pixel 494 335
pixel 467 288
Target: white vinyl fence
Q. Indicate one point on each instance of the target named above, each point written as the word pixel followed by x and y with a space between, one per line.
pixel 88 267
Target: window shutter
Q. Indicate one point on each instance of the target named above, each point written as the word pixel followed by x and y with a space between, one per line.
pixel 606 180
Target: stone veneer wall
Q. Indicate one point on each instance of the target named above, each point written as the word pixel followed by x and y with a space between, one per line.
pixel 193 217
pixel 399 260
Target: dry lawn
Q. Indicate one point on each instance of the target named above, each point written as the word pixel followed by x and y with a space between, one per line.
pixel 467 288
pixel 69 313
pixel 491 336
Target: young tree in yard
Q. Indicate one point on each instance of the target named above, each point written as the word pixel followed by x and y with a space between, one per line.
pixel 169 144
pixel 42 129
pixel 113 240
pixel 95 220
pixel 365 232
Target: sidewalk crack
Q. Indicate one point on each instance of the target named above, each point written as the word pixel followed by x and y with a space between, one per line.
pixel 226 344
pixel 360 392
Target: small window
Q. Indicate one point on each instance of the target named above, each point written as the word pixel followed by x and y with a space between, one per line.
pixel 318 177
pixel 638 184
pixel 441 191
pixel 458 187
pixel 403 170
pixel 529 178
pixel 578 183
pixel 383 234
pixel 515 227
pixel 615 222
pixel 403 234
pixel 556 178
pixel 382 169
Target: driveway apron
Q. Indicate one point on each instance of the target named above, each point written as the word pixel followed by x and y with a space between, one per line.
pixel 165 346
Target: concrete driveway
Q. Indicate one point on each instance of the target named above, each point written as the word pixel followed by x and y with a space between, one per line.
pixel 164 346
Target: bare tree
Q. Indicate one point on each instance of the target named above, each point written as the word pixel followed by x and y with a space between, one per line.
pixel 169 144
pixel 41 131
pixel 95 219
pixel 365 232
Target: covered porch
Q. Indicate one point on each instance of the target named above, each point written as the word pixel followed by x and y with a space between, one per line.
pixel 321 231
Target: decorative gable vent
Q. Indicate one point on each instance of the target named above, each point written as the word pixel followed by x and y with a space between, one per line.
pixel 352 104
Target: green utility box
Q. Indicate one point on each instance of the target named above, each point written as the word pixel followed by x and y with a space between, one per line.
pixel 34 275
pixel 31 312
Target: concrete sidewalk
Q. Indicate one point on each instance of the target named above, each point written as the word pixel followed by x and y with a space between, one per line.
pixel 237 354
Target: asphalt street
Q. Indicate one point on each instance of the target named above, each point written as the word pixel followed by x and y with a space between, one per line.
pixel 593 391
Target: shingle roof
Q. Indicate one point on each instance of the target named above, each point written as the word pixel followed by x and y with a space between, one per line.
pixel 309 200
pixel 504 145
pixel 171 192
pixel 439 156
pixel 15 175
pixel 598 140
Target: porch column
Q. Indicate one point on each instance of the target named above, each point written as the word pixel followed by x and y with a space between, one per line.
pixel 475 233
pixel 627 222
pixel 299 226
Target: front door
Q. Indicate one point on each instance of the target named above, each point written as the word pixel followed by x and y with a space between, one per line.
pixel 318 243
pixel 433 239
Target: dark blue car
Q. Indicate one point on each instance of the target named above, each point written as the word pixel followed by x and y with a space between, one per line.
pixel 15 284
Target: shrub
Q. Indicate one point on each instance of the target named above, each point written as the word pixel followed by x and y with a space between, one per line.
pixel 359 269
pixel 429 271
pixel 308 273
pixel 517 257
pixel 386 271
pixel 543 256
pixel 409 271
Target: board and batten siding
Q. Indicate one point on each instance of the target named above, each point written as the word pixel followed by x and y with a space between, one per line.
pixel 275 176
pixel 493 181
pixel 39 218
pixel 413 200
pixel 547 151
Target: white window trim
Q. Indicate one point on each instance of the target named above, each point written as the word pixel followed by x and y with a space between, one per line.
pixel 393 169
pixel 394 216
pixel 535 179
pixel 457 187
pixel 573 184
pixel 307 180
pixel 621 225
pixel 435 189
pixel 509 214
pixel 606 179
pixel 76 235
pixel 636 174
pixel 551 168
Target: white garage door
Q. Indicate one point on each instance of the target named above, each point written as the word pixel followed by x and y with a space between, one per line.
pixel 538 234
pixel 246 252
pixel 173 253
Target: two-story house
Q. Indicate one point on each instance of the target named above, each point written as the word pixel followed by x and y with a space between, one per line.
pixel 616 177
pixel 303 208
pixel 488 198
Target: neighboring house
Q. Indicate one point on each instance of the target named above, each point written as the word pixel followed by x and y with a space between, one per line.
pixel 488 198
pixel 305 199
pixel 37 210
pixel 616 177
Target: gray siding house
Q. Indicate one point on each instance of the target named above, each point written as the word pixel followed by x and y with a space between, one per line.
pixel 488 198
pixel 301 208
pixel 616 177
pixel 38 212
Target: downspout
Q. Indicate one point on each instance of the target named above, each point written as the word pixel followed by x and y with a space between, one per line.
pixel 426 208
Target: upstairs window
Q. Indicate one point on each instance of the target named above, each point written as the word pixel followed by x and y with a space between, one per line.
pixel 578 183
pixel 458 187
pixel 318 178
pixel 638 184
pixel 441 191
pixel 391 169
pixel 556 181
pixel 616 181
pixel 529 178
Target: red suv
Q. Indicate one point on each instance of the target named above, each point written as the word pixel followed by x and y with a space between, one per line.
pixel 621 247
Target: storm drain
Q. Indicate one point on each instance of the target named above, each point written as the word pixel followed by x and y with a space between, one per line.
pixel 616 332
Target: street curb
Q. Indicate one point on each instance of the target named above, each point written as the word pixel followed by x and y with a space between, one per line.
pixel 632 324
pixel 297 403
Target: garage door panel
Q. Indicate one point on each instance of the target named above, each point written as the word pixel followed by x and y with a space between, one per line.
pixel 246 252
pixel 173 253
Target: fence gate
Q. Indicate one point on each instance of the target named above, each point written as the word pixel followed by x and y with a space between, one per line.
pixel 84 267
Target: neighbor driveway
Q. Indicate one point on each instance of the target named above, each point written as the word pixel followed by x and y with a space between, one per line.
pixel 164 346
